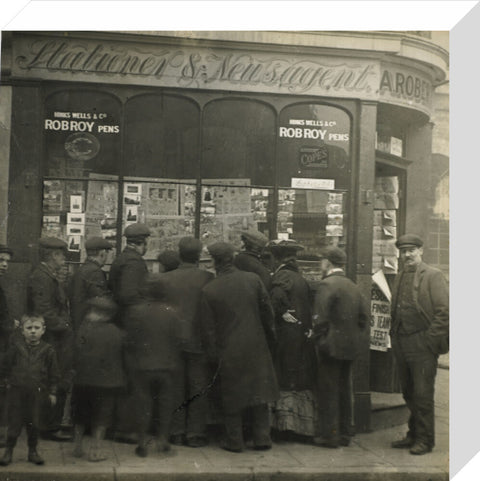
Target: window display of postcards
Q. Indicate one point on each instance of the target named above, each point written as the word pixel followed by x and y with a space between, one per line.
pixel 259 203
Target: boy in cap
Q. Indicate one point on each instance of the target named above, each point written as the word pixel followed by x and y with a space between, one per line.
pixel 237 326
pixel 90 280
pixel 154 343
pixel 184 286
pixel 47 298
pixel 99 368
pixel 420 332
pixel 29 370
pixel 250 258
pixel 340 327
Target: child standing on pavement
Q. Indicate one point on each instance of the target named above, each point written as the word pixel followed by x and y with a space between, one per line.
pixel 30 373
pixel 99 367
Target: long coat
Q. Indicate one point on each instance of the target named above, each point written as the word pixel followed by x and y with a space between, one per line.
pixel 184 286
pixel 430 295
pixel 340 318
pixel 127 275
pixel 294 357
pixel 89 281
pixel 237 320
pixel 250 262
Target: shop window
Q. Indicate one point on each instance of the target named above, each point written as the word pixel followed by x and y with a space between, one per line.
pixel 161 137
pixel 82 134
pixel 314 142
pixel 239 141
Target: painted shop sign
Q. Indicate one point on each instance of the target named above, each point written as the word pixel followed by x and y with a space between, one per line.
pixel 191 67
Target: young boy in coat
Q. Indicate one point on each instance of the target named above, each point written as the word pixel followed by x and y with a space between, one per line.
pixel 100 375
pixel 30 373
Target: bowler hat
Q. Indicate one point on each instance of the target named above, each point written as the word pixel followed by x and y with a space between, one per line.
pixel 221 249
pixel 409 240
pixel 52 243
pixel 254 237
pixel 335 255
pixel 137 230
pixel 5 249
pixel 97 243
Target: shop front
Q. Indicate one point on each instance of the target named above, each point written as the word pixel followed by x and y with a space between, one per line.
pixel 210 139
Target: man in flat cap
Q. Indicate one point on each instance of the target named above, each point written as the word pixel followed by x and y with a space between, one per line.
pixel 6 328
pixel 129 269
pixel 420 332
pixel 127 276
pixel 47 298
pixel 183 288
pixel 340 333
pixel 90 280
pixel 237 326
pixel 249 259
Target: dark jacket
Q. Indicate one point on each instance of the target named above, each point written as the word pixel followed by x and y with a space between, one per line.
pixel 47 297
pixel 237 320
pixel 30 366
pixel 89 281
pixel 184 286
pixel 250 262
pixel 154 338
pixel 127 275
pixel 340 318
pixel 430 295
pixel 6 324
pixel 294 356
pixel 99 355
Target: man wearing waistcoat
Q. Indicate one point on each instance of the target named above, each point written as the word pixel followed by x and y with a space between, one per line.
pixel 420 327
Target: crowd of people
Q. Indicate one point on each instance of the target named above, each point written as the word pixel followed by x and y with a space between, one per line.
pixel 160 358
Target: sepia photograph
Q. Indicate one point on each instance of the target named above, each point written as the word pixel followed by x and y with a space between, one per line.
pixel 285 315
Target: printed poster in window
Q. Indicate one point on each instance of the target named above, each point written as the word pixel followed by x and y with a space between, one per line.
pixel 162 200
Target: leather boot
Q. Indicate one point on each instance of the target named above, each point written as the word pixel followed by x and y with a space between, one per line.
pixel 7 457
pixel 34 457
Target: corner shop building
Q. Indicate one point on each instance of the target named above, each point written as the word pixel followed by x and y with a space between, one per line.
pixel 324 137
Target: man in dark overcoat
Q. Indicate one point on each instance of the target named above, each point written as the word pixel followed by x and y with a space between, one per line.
pixel 238 327
pixel 90 280
pixel 249 259
pixel 47 298
pixel 127 277
pixel 183 289
pixel 420 332
pixel 340 332
pixel 129 269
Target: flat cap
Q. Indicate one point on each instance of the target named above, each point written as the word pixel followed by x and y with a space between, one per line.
pixel 5 249
pixel 169 259
pixel 254 237
pixel 136 230
pixel 221 249
pixel 52 243
pixel 94 243
pixel 103 303
pixel 287 245
pixel 409 240
pixel 335 255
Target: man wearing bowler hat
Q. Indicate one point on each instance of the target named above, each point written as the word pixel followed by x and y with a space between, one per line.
pixel 47 298
pixel 340 326
pixel 420 332
pixel 89 281
pixel 250 258
pixel 238 327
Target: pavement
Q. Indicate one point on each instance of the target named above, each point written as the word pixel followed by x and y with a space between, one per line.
pixel 368 458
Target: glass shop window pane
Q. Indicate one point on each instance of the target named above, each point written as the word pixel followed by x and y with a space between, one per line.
pixel 230 206
pixel 239 141
pixel 314 142
pixel 161 137
pixel 315 219
pixel 82 133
